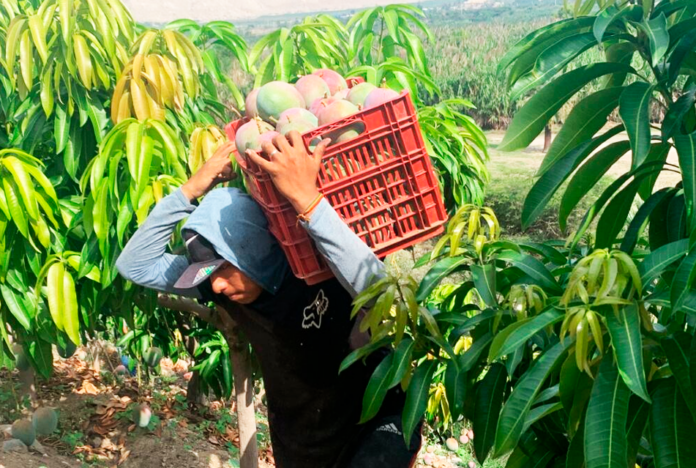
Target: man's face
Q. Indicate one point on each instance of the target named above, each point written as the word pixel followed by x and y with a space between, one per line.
pixel 238 287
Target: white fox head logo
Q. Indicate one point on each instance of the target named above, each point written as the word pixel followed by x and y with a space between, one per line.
pixel 314 312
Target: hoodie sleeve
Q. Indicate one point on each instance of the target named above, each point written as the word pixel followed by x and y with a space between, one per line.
pixel 350 259
pixel 144 260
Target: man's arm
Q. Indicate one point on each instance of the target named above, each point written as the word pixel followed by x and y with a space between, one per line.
pixel 350 259
pixel 144 260
pixel 294 174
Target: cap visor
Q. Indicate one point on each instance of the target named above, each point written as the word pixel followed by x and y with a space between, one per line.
pixel 196 273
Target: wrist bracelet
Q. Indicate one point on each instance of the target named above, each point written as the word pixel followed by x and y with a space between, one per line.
pixel 304 216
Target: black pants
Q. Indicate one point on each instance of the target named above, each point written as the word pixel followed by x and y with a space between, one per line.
pixel 381 445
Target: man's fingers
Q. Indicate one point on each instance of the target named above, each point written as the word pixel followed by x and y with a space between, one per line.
pixel 321 149
pixel 263 163
pixel 295 139
pixel 225 149
pixel 282 144
pixel 268 148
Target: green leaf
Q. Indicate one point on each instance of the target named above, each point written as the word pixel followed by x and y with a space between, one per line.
pixel 626 339
pixel 402 360
pixel 548 33
pixel 587 177
pixel 674 119
pixel 659 259
pixel 587 118
pixel 472 355
pixel 638 175
pixel 376 389
pixel 41 354
pixel 517 407
pixel 61 129
pixel 672 427
pixel 686 149
pixel 658 154
pixel 531 267
pixel 609 15
pixel 524 333
pixel 680 53
pixel 634 109
pixel 613 218
pixel 640 220
pixel 469 323
pixel 362 352
pixel 487 405
pixel 529 121
pixel 16 306
pixel 677 349
pixel 575 457
pixel 607 413
pixel 455 387
pixel 621 52
pixel 484 280
pixel 656 30
pixel 551 61
pixel 544 188
pixel 638 413
pixel 540 412
pixel 683 280
pixel 437 273
pixel 417 397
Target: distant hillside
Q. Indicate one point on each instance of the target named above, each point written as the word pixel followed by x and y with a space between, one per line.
pixel 162 11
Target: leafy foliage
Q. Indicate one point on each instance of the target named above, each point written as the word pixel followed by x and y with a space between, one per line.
pixel 76 183
pixel 101 118
pixel 593 337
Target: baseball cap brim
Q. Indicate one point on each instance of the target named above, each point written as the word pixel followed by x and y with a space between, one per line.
pixel 198 272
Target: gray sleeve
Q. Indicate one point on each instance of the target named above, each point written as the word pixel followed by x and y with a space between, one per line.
pixel 350 259
pixel 144 260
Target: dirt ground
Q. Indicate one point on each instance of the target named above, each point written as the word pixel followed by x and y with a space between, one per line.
pixel 96 429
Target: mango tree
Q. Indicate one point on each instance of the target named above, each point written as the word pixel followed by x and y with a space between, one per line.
pixel 97 115
pixel 578 353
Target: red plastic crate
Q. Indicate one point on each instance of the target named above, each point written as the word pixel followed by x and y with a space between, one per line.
pixel 381 183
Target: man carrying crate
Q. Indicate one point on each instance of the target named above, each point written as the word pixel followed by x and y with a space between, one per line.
pixel 300 333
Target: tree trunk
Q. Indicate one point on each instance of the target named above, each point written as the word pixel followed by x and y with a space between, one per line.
pixel 27 379
pixel 194 397
pixel 244 393
pixel 547 138
pixel 241 372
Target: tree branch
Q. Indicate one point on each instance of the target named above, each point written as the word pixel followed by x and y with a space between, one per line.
pixel 183 304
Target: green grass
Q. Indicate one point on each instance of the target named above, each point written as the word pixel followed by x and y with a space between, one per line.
pixel 512 177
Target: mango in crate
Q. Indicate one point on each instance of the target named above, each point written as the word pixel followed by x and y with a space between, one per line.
pixel 297 113
pixel 248 135
pixel 342 94
pixel 312 87
pixel 333 79
pixel 298 125
pixel 359 93
pixel 267 138
pixel 379 96
pixel 250 104
pixel 321 104
pixel 337 111
pixel 276 97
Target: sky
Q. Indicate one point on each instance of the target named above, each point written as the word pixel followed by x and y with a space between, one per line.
pixel 161 11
